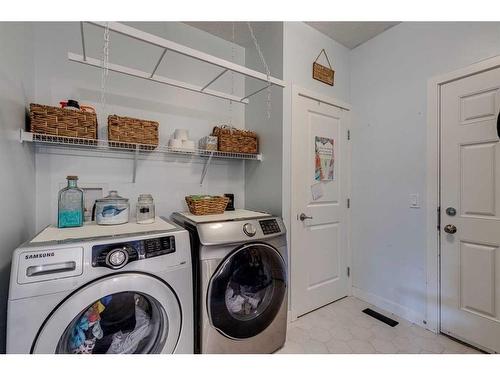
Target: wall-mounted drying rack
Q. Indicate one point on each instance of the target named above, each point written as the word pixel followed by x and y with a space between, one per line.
pixel 167 46
pixel 132 149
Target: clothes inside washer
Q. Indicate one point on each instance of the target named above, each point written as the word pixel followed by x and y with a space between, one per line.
pixel 114 324
pixel 88 329
pixel 127 343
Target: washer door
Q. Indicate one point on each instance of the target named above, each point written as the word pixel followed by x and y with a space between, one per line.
pixel 247 290
pixel 120 314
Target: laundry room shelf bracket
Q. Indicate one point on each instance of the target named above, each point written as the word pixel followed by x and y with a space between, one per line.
pixel 136 156
pixel 205 169
pixel 171 46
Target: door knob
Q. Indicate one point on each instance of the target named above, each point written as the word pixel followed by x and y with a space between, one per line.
pixel 451 229
pixel 303 217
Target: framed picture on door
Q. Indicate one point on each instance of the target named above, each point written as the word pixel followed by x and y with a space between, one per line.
pixel 324 159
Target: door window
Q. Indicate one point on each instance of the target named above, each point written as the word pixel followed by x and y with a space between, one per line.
pixel 247 291
pixel 120 323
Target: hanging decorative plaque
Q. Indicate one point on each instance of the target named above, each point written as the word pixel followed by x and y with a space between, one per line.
pixel 323 73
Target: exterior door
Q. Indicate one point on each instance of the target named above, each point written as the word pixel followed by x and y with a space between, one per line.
pixel 320 181
pixel 247 291
pixel 121 314
pixel 470 209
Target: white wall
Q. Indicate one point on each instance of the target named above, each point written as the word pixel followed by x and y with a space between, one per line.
pixel 169 182
pixel 17 181
pixel 263 181
pixel 388 90
pixel 302 44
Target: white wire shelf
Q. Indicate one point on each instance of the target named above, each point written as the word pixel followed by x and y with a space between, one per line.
pixel 172 47
pixel 101 145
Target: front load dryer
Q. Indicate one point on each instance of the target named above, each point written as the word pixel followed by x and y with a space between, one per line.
pixel 240 270
pixel 102 289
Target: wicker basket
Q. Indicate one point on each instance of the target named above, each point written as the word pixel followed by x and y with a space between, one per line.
pixel 236 140
pixel 62 122
pixel 207 206
pixel 126 130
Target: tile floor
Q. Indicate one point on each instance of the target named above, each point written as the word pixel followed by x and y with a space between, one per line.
pixel 342 328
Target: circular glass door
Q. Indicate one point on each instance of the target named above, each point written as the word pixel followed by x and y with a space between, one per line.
pixel 247 290
pixel 120 323
pixel 121 314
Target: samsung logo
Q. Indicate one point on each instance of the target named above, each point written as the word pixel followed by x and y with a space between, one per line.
pixel 39 255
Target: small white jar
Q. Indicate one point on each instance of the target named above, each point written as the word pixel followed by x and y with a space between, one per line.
pixel 145 209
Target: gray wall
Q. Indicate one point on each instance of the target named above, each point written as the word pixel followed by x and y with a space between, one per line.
pixel 17 181
pixel 166 178
pixel 389 77
pixel 263 180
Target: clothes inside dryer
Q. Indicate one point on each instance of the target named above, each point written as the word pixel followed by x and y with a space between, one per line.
pixel 121 323
pixel 250 286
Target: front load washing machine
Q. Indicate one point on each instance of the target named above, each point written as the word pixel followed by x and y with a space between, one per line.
pixel 240 278
pixel 102 289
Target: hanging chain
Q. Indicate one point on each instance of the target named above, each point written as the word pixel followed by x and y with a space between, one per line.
pixel 105 68
pixel 266 67
pixel 232 80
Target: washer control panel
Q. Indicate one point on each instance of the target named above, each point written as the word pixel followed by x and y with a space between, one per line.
pixel 269 226
pixel 117 255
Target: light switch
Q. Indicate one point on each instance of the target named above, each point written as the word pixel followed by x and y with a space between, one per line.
pixel 414 201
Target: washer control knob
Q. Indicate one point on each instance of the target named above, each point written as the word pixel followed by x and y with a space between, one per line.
pixel 249 230
pixel 117 258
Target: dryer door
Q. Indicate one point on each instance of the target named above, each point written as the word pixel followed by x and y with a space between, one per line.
pixel 120 314
pixel 247 290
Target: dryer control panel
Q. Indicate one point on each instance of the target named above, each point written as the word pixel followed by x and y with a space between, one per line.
pixel 269 226
pixel 117 255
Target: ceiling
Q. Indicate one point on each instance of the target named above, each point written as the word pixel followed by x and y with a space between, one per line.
pixel 242 37
pixel 351 34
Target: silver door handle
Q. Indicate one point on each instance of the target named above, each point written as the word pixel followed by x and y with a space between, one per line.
pixel 303 217
pixel 451 229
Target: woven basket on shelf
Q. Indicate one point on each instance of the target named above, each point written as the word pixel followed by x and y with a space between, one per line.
pixel 62 122
pixel 236 140
pixel 124 130
pixel 207 206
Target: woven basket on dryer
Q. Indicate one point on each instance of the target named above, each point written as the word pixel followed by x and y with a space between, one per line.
pixel 206 205
pixel 236 140
pixel 62 122
pixel 128 131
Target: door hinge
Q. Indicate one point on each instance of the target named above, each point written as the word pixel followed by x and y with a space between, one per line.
pixel 439 218
pixel 348 202
pixel 348 135
pixel 348 271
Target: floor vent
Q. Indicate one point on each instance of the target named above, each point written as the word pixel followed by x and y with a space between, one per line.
pixel 381 317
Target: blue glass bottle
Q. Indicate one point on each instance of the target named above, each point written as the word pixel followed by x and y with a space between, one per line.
pixel 70 206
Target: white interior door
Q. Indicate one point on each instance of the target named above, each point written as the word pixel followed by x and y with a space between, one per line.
pixel 319 239
pixel 470 185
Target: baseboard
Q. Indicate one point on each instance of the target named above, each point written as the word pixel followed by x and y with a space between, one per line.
pixel 390 306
